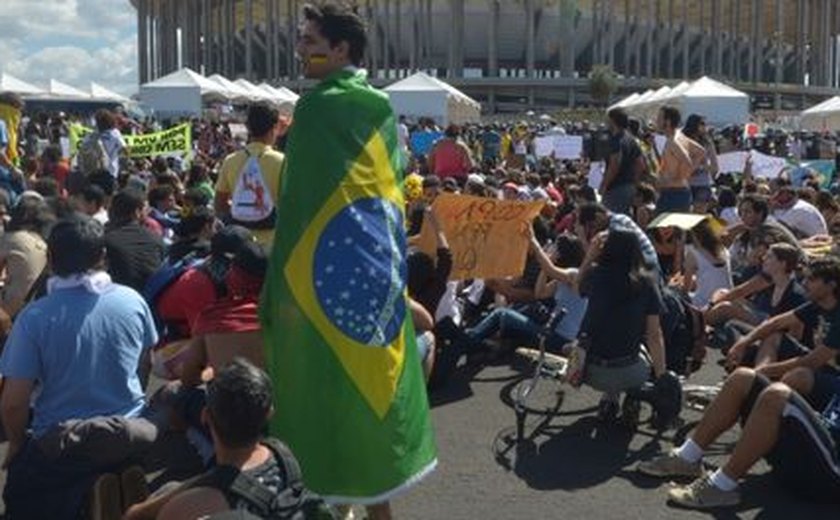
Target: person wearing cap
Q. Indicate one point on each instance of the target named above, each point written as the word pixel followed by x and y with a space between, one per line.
pixel 475 185
pixel 800 216
pixel 182 302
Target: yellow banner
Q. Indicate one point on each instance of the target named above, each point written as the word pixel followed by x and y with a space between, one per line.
pixel 176 140
pixel 484 235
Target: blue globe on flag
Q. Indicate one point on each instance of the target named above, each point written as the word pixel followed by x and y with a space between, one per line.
pixel 360 273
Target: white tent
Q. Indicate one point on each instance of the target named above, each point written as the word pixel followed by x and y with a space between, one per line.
pixel 285 99
pixel 824 116
pixel 58 89
pixel 720 104
pixel 421 95
pixel 9 83
pixel 629 100
pixel 234 92
pixel 257 94
pixel 648 108
pixel 181 93
pixel 99 92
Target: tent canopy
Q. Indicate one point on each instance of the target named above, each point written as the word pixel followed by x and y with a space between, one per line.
pixel 234 92
pixel 823 116
pixel 9 83
pixel 255 92
pixel 188 78
pixel 63 90
pixel 421 95
pixel 97 91
pixel 181 93
pixel 629 100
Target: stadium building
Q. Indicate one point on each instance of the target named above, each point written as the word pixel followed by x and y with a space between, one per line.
pixel 515 53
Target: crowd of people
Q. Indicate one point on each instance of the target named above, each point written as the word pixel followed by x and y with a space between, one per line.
pixel 131 286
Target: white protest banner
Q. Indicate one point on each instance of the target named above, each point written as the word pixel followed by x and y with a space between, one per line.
pixel 543 146
pixel 568 146
pixel 767 166
pixel 596 174
pixel 732 162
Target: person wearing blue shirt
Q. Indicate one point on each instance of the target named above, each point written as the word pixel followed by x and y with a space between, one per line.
pixel 73 356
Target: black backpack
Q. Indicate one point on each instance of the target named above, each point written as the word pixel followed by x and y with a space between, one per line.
pixel 683 329
pixel 294 502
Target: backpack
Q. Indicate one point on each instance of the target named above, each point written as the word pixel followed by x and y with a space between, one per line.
pixel 165 277
pixel 294 502
pixel 92 155
pixel 683 330
pixel 252 203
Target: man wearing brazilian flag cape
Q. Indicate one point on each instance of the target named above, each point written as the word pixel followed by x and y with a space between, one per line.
pixel 340 344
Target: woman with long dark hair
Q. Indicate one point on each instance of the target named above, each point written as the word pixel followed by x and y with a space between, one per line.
pixel 623 312
pixel 707 268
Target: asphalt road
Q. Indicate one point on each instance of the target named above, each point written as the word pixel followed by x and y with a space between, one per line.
pixel 573 468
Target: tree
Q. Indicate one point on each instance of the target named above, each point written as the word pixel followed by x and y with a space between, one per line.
pixel 603 81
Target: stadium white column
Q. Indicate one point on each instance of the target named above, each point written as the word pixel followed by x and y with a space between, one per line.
pixel 717 44
pixel 383 20
pixel 778 42
pixel 568 11
pixel 530 39
pixel 703 40
pixel 268 13
pixel 249 39
pixel 671 53
pixel 142 43
pixel 398 36
pixel 685 49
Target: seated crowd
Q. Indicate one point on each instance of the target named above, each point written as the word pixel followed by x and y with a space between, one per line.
pixel 138 273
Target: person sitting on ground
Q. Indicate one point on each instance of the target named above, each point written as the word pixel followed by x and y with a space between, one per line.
pixel 23 252
pixel 769 293
pixel 775 345
pixel 192 235
pixel 778 425
pixel 593 218
pixel 756 224
pixel 163 208
pixel 81 345
pixel 134 252
pixel 229 327
pixel 624 306
pixel 555 281
pixel 802 217
pixel 238 407
pixel 706 266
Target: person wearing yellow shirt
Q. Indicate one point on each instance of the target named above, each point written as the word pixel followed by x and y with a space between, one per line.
pixel 249 179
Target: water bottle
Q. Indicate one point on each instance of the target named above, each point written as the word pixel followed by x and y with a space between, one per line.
pixel 577 361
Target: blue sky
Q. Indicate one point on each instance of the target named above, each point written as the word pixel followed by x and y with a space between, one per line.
pixel 73 41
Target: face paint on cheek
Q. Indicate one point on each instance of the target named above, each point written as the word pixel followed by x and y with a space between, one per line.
pixel 317 59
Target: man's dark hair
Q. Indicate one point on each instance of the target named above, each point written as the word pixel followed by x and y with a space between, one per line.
pixel 125 205
pixel 757 203
pixel 619 117
pixel 239 400
pixel 339 24
pixel 31 214
pixel 671 115
pixel 588 211
pixel 196 221
pixel 104 180
pixel 159 194
pixel 197 197
pixel 105 120
pixel 826 269
pixel 76 245
pixel 12 99
pixel 93 194
pixel 261 118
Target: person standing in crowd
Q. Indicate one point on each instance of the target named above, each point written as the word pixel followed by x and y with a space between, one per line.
pixel 342 222
pixel 11 177
pixel 703 176
pixel 81 347
pixel 450 157
pixel 249 180
pixel 625 165
pixel 676 166
pixel 103 148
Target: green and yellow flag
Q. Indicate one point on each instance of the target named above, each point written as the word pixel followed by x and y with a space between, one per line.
pixel 340 345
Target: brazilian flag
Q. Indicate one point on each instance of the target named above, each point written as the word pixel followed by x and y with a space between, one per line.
pixel 350 396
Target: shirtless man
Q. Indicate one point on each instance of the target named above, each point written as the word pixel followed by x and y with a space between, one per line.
pixel 679 160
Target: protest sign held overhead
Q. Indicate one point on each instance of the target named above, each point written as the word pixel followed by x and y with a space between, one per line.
pixel 174 141
pixel 485 235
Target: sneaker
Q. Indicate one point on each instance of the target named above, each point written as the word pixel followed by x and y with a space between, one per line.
pixel 702 494
pixel 133 486
pixel 105 499
pixel 670 465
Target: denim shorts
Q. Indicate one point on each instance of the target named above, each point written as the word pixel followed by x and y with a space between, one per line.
pixel 674 200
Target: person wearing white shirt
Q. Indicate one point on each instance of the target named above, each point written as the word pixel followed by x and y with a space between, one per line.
pixel 802 217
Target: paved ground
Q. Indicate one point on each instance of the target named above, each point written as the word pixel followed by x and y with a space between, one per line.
pixel 571 468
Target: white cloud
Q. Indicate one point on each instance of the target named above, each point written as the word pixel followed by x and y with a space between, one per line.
pixel 75 41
